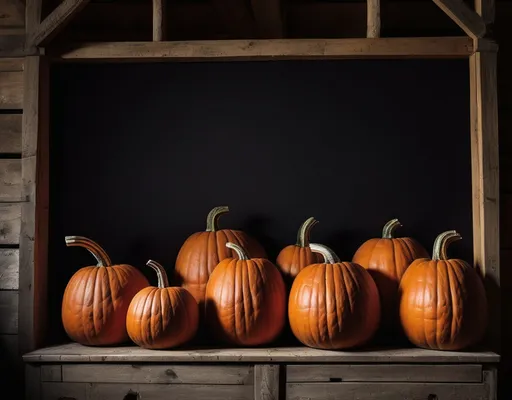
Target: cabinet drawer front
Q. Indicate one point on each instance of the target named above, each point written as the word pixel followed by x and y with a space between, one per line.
pixel 143 373
pixel 384 373
pixel 387 391
pixel 122 391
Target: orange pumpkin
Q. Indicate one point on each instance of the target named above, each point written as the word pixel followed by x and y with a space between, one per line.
pixel 443 305
pixel 245 300
pixel 293 258
pixel 202 251
pixel 387 259
pixel 96 298
pixel 162 317
pixel 334 305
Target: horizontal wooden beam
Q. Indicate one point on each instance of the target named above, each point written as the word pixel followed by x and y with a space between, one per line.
pixel 274 49
pixel 467 19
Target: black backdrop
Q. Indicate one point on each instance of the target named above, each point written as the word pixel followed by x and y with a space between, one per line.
pixel 141 152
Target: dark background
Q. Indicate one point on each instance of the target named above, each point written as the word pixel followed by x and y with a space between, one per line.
pixel 141 152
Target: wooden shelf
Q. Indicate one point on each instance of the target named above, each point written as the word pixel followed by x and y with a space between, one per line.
pixel 72 352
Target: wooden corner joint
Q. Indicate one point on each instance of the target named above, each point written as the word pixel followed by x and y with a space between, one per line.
pixel 467 19
pixel 485 45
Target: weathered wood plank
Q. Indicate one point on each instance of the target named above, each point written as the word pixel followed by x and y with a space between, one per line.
pixel 10 223
pixel 12 14
pixel 159 19
pixel 386 391
pixel 10 133
pixel 467 19
pixel 137 373
pixel 373 19
pixel 9 269
pixel 271 49
pixel 11 64
pixel 266 382
pixel 388 373
pixel 73 352
pixel 10 180
pixel 51 373
pixel 11 90
pixel 8 312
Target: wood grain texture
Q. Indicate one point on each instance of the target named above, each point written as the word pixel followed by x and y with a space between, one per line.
pixel 9 269
pixel 10 64
pixel 269 17
pixel 10 223
pixel 8 312
pixel 73 352
pixel 177 374
pixel 373 19
pixel 467 19
pixel 159 19
pixel 266 382
pixel 388 373
pixel 11 90
pixel 10 180
pixel 10 133
pixel 282 49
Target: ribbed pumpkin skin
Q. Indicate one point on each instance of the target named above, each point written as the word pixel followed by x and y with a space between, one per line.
pixel 443 304
pixel 387 260
pixel 292 259
pixel 161 318
pixel 201 253
pixel 246 302
pixel 95 303
pixel 334 306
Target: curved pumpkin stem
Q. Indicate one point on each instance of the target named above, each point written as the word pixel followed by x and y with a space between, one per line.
pixel 213 217
pixel 163 281
pixel 305 231
pixel 240 252
pixel 330 256
pixel 94 248
pixel 441 244
pixel 389 228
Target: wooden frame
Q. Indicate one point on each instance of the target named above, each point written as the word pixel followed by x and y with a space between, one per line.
pixel 481 54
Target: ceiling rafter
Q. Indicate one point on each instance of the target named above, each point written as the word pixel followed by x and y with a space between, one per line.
pixel 467 19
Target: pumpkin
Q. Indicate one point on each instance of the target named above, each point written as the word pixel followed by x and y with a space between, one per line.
pixel 245 300
pixel 202 251
pixel 97 298
pixel 387 259
pixel 162 317
pixel 443 304
pixel 293 258
pixel 333 305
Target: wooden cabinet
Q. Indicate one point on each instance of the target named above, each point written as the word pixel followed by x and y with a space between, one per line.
pixel 74 372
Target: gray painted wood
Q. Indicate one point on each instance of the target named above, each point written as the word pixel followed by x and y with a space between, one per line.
pixel 9 269
pixel 51 373
pixel 73 352
pixel 10 133
pixel 178 374
pixel 33 382
pixel 266 382
pixel 10 180
pixel 8 312
pixel 388 373
pixel 9 351
pixel 10 223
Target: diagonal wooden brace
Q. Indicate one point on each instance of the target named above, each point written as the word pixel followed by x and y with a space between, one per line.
pixel 467 19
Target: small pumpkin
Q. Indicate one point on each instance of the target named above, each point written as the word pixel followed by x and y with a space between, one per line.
pixel 245 300
pixel 162 317
pixel 97 298
pixel 333 305
pixel 443 304
pixel 202 251
pixel 387 259
pixel 293 258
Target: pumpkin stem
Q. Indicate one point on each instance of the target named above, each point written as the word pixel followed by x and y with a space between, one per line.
pixel 389 228
pixel 304 232
pixel 94 248
pixel 163 281
pixel 213 217
pixel 330 256
pixel 240 252
pixel 441 244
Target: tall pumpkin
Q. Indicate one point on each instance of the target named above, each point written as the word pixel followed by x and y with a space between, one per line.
pixel 245 300
pixel 333 305
pixel 293 258
pixel 443 305
pixel 202 251
pixel 97 298
pixel 387 258
pixel 162 317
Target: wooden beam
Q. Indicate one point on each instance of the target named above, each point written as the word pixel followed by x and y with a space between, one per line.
pixel 485 181
pixel 278 49
pixel 373 19
pixel 467 19
pixel 57 20
pixel 269 18
pixel 486 9
pixel 159 18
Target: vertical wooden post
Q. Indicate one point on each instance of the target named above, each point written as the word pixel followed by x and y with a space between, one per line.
pixel 159 14
pixel 266 382
pixel 373 18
